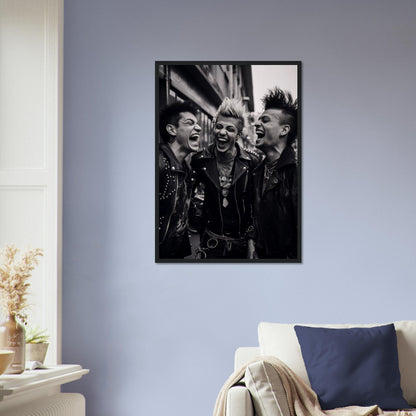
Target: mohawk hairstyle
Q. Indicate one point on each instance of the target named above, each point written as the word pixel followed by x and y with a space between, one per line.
pixel 283 100
pixel 171 115
pixel 232 107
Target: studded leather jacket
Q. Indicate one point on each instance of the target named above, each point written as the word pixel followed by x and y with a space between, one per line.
pixel 175 187
pixel 235 220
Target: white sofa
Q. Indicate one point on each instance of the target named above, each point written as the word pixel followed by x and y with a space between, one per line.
pixel 280 340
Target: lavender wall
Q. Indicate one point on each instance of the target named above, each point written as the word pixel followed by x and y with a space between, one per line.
pixel 159 339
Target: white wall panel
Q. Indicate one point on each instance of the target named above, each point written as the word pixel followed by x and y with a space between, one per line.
pixel 23 222
pixel 22 85
pixel 22 215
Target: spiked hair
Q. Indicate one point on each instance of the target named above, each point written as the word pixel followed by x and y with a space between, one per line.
pixel 283 100
pixel 171 115
pixel 232 107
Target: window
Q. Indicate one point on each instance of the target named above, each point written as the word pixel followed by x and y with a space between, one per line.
pixel 31 148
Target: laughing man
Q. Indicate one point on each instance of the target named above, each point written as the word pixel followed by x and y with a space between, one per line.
pixel 275 181
pixel 179 131
pixel 225 171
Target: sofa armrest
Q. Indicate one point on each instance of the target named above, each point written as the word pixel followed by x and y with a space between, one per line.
pixel 239 402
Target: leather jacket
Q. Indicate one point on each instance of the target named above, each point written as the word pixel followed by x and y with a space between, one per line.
pixel 175 187
pixel 276 208
pixel 236 221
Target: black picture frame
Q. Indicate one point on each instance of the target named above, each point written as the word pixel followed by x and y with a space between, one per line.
pixel 168 78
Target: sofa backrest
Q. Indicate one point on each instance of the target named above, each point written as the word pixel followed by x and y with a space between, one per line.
pixel 244 355
pixel 280 340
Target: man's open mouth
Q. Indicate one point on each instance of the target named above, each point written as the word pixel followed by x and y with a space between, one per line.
pixel 194 137
pixel 260 134
pixel 222 140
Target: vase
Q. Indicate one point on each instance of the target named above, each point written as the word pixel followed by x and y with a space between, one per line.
pixel 12 337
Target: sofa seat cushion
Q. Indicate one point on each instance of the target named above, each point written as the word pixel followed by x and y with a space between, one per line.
pixel 356 366
pixel 280 340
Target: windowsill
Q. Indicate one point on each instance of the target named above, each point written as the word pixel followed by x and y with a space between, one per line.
pixel 37 383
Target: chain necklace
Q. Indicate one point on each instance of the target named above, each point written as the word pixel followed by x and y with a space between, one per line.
pixel 269 168
pixel 225 178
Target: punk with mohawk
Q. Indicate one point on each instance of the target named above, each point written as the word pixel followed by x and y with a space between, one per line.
pixel 275 182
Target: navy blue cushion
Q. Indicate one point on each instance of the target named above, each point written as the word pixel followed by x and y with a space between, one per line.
pixel 356 366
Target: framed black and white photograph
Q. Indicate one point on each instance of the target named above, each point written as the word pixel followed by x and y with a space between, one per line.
pixel 228 161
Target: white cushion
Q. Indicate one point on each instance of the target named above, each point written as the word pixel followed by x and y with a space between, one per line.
pixel 266 389
pixel 280 340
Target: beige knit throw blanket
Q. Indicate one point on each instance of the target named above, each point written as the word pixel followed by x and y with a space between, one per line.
pixel 302 400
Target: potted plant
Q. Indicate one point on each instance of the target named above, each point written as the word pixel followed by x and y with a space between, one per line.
pixel 36 344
